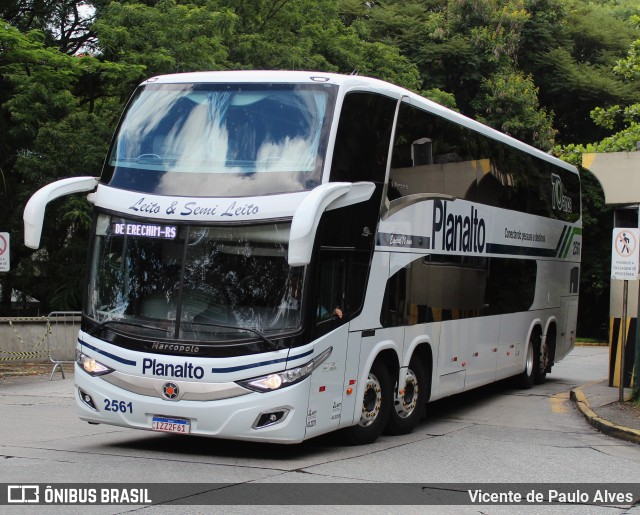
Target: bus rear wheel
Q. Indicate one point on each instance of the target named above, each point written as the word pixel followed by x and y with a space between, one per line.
pixel 527 377
pixel 376 405
pixel 409 404
pixel 546 355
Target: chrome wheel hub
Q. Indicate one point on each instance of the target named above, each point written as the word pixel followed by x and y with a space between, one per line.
pixel 372 401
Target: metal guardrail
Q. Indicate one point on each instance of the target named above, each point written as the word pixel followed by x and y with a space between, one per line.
pixel 61 338
pixel 25 350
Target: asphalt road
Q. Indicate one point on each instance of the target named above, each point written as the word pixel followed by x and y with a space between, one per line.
pixel 496 434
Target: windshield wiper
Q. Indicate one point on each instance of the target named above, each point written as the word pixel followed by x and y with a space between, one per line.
pixel 110 321
pixel 270 343
pixel 273 345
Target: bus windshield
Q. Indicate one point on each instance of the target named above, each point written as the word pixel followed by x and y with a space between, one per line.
pixel 212 285
pixel 222 139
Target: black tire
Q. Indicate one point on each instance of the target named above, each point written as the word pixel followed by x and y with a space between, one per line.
pixel 546 356
pixel 526 379
pixel 408 409
pixel 543 361
pixel 376 406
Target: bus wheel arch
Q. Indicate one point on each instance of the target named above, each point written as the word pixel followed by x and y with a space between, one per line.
pixel 377 401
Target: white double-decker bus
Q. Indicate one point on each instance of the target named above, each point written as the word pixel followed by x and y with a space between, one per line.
pixel 277 255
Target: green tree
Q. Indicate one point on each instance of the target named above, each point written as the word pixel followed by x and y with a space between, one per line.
pixel 54 126
pixel 165 36
pixel 65 24
pixel 535 69
pixel 66 73
pixel 509 102
pixel 467 50
pixel 570 48
pixel 172 36
pixel 473 49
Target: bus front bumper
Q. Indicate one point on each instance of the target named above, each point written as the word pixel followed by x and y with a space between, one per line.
pixel 278 416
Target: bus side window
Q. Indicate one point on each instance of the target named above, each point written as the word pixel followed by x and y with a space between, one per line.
pixel 394 303
pixel 331 306
pixel 362 142
pixel 432 155
pixel 330 288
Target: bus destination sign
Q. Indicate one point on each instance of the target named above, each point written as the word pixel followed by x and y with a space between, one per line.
pixel 167 232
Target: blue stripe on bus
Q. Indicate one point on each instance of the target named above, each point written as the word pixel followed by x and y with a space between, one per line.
pixel 226 370
pixel 214 370
pixel 423 242
pixel 108 354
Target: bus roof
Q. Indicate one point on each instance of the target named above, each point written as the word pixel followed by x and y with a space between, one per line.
pixel 351 83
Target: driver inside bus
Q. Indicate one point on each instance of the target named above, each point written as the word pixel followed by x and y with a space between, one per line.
pixel 294 297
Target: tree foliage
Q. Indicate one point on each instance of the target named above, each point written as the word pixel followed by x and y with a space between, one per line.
pixel 57 114
pixel 623 125
pixel 509 102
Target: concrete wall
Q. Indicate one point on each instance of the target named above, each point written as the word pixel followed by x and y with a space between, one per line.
pixel 619 176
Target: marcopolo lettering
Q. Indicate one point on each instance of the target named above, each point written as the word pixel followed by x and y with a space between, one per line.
pixel 157 368
pixel 172 347
pixel 457 232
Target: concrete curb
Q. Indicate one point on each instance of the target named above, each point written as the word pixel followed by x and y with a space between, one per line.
pixel 601 424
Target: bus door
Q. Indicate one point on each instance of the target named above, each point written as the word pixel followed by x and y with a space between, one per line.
pixel 331 306
pixel 325 408
pixel 350 386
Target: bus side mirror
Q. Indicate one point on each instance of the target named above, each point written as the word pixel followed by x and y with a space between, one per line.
pixel 34 210
pixel 325 197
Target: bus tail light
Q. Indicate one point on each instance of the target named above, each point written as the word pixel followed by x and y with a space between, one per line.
pixel 287 377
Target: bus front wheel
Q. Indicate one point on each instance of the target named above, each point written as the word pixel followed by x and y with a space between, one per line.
pixel 376 405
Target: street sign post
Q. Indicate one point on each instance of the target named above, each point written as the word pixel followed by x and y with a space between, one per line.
pixel 5 264
pixel 625 248
pixel 624 254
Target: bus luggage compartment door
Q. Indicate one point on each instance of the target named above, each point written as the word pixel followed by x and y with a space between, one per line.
pixel 453 356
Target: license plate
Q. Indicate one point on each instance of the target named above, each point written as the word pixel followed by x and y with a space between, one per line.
pixel 171 425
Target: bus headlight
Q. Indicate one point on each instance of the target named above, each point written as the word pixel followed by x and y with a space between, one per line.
pixel 285 378
pixel 91 366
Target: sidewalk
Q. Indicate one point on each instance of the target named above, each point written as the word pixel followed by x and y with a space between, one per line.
pixel 598 402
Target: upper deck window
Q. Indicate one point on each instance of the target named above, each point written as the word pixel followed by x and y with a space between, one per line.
pixel 433 154
pixel 222 139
